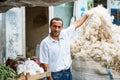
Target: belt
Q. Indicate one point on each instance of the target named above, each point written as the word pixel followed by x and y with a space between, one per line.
pixel 65 70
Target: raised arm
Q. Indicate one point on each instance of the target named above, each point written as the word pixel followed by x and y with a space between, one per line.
pixel 79 22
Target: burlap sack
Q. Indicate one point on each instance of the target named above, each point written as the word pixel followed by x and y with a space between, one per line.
pixel 88 70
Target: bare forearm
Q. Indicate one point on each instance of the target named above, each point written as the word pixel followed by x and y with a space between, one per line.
pixel 49 78
pixel 79 22
pixel 46 68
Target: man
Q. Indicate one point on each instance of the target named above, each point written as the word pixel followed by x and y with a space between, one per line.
pixel 55 49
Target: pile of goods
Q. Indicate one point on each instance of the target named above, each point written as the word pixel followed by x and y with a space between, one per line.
pixel 29 66
pixel 99 40
pixel 6 73
pixel 24 65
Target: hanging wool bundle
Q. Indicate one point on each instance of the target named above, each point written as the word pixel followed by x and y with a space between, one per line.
pixel 99 39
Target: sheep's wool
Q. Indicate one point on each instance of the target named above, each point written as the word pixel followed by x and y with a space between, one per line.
pixel 99 40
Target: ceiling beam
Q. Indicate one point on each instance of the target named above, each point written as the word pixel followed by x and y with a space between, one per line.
pixel 32 3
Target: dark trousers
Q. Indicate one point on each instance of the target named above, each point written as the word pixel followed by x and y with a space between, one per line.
pixel 62 75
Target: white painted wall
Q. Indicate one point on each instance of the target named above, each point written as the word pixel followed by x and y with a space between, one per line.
pixel 1 54
pixel 15 31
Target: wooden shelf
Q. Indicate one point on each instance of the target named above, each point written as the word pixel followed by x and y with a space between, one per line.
pixel 38 76
pixel 34 77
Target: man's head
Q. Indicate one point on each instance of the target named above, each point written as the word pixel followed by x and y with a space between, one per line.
pixel 56 25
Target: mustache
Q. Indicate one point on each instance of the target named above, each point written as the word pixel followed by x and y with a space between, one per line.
pixel 55 31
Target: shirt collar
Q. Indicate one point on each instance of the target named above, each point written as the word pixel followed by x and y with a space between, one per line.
pixel 52 40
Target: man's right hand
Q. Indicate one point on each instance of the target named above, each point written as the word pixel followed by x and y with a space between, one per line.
pixel 49 78
pixel 47 69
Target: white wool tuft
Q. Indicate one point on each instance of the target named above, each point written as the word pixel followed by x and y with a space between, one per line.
pixel 99 39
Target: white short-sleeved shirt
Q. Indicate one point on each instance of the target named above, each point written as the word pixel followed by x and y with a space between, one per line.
pixel 57 53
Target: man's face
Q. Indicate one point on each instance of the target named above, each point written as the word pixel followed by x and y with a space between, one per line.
pixel 56 28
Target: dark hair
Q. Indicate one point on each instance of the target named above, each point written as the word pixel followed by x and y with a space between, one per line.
pixel 57 19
